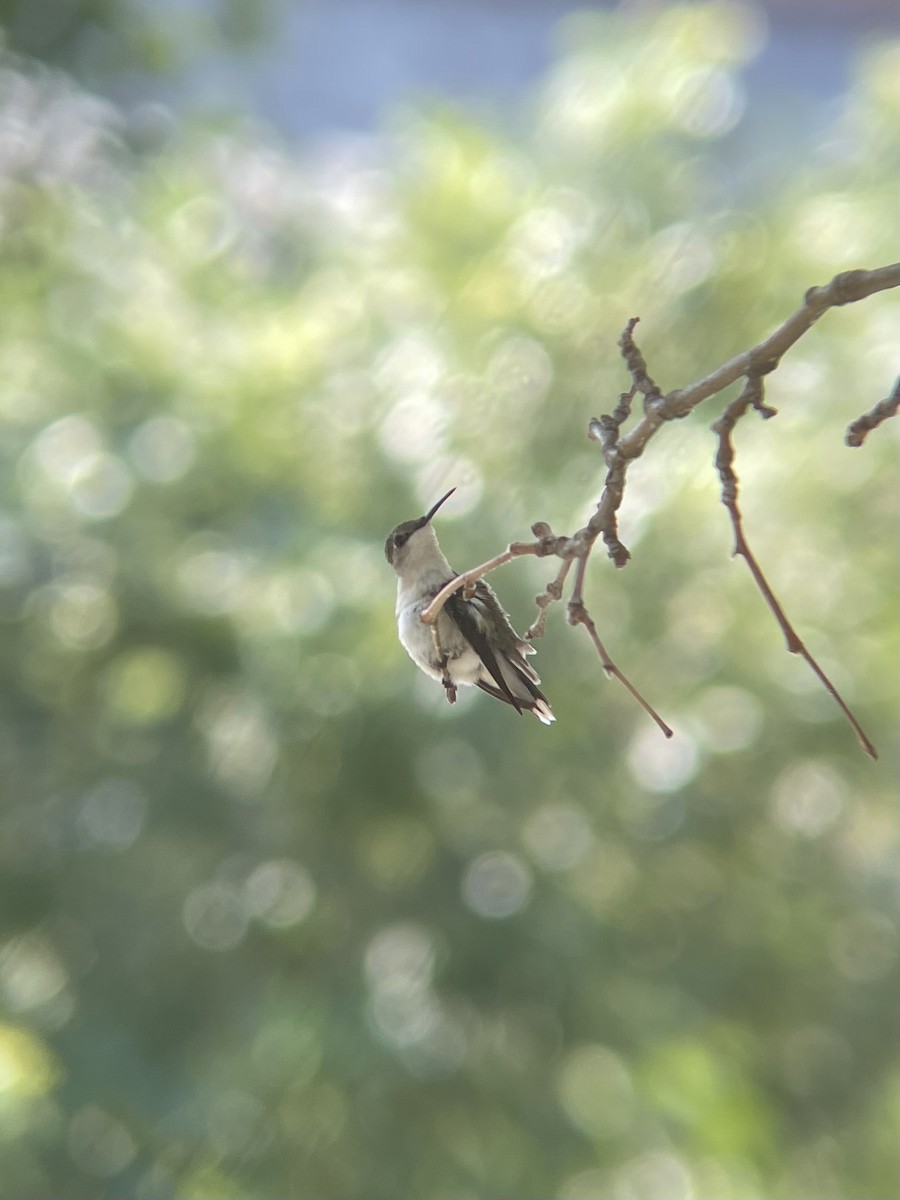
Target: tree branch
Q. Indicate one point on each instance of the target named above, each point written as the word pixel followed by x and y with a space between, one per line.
pixel 846 288
pixel 659 408
pixel 468 578
pixel 856 433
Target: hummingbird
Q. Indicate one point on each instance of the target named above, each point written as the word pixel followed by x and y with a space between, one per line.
pixel 478 641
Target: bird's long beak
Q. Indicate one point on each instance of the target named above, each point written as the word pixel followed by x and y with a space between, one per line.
pixel 435 507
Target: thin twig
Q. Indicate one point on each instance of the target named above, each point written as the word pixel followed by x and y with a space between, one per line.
pixel 578 590
pixel 637 368
pixel 551 593
pixel 605 518
pixel 579 615
pixel 856 433
pixel 515 550
pixel 751 396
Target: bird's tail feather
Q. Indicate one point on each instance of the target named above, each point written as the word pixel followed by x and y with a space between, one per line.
pixel 522 688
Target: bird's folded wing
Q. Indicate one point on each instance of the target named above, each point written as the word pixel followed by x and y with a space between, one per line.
pixel 464 615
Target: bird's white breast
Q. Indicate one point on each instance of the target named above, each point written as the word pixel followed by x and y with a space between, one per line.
pixel 416 637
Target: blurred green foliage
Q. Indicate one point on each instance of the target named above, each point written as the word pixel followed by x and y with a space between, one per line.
pixel 115 40
pixel 276 920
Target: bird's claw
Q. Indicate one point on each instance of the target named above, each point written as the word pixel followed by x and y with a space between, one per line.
pixel 449 685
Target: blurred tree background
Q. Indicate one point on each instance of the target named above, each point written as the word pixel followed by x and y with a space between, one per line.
pixel 276 920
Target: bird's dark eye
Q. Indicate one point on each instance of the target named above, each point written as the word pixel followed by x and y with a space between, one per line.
pixel 400 539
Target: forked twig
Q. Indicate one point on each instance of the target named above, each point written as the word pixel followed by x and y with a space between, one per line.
pixel 752 396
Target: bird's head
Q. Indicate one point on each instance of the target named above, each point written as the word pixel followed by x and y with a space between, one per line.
pixel 413 541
